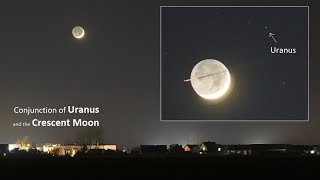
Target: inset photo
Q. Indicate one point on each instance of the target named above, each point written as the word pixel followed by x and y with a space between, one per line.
pixel 234 63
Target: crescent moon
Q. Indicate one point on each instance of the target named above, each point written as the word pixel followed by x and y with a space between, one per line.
pixel 78 32
pixel 210 79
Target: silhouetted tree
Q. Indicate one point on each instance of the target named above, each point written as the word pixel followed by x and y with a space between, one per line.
pixel 23 142
pixel 90 136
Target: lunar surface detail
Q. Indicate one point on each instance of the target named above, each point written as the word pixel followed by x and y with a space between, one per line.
pixel 210 79
pixel 78 32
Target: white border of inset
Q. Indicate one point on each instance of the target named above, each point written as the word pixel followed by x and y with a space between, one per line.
pixel 271 120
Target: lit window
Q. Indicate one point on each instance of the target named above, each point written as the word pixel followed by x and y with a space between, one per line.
pixel 219 149
pixel 203 148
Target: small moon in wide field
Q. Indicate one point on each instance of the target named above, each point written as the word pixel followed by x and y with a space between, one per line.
pixel 210 79
pixel 78 32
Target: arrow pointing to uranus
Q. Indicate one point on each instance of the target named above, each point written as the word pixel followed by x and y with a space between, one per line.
pixel 271 35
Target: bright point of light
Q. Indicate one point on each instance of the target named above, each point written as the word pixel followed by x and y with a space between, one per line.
pixel 219 149
pixel 312 151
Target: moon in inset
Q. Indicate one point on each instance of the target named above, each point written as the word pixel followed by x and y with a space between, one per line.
pixel 78 32
pixel 210 79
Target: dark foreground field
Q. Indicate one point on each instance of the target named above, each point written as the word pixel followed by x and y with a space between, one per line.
pixel 168 167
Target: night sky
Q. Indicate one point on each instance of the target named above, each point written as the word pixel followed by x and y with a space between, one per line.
pixel 117 67
pixel 265 86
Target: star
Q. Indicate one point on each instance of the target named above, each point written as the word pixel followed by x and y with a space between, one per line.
pixel 283 83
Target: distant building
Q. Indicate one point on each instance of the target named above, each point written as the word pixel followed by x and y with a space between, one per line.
pixel 261 149
pixel 175 148
pixel 7 148
pixel 237 150
pixel 207 148
pixel 304 150
pixel 103 146
pixel 100 152
pixel 22 146
pixel 71 149
pixel 190 147
pixel 14 146
pixel 153 149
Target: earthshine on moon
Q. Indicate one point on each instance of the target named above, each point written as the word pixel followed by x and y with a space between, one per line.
pixel 210 79
pixel 78 32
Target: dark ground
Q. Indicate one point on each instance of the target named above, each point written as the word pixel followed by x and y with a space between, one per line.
pixel 166 167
